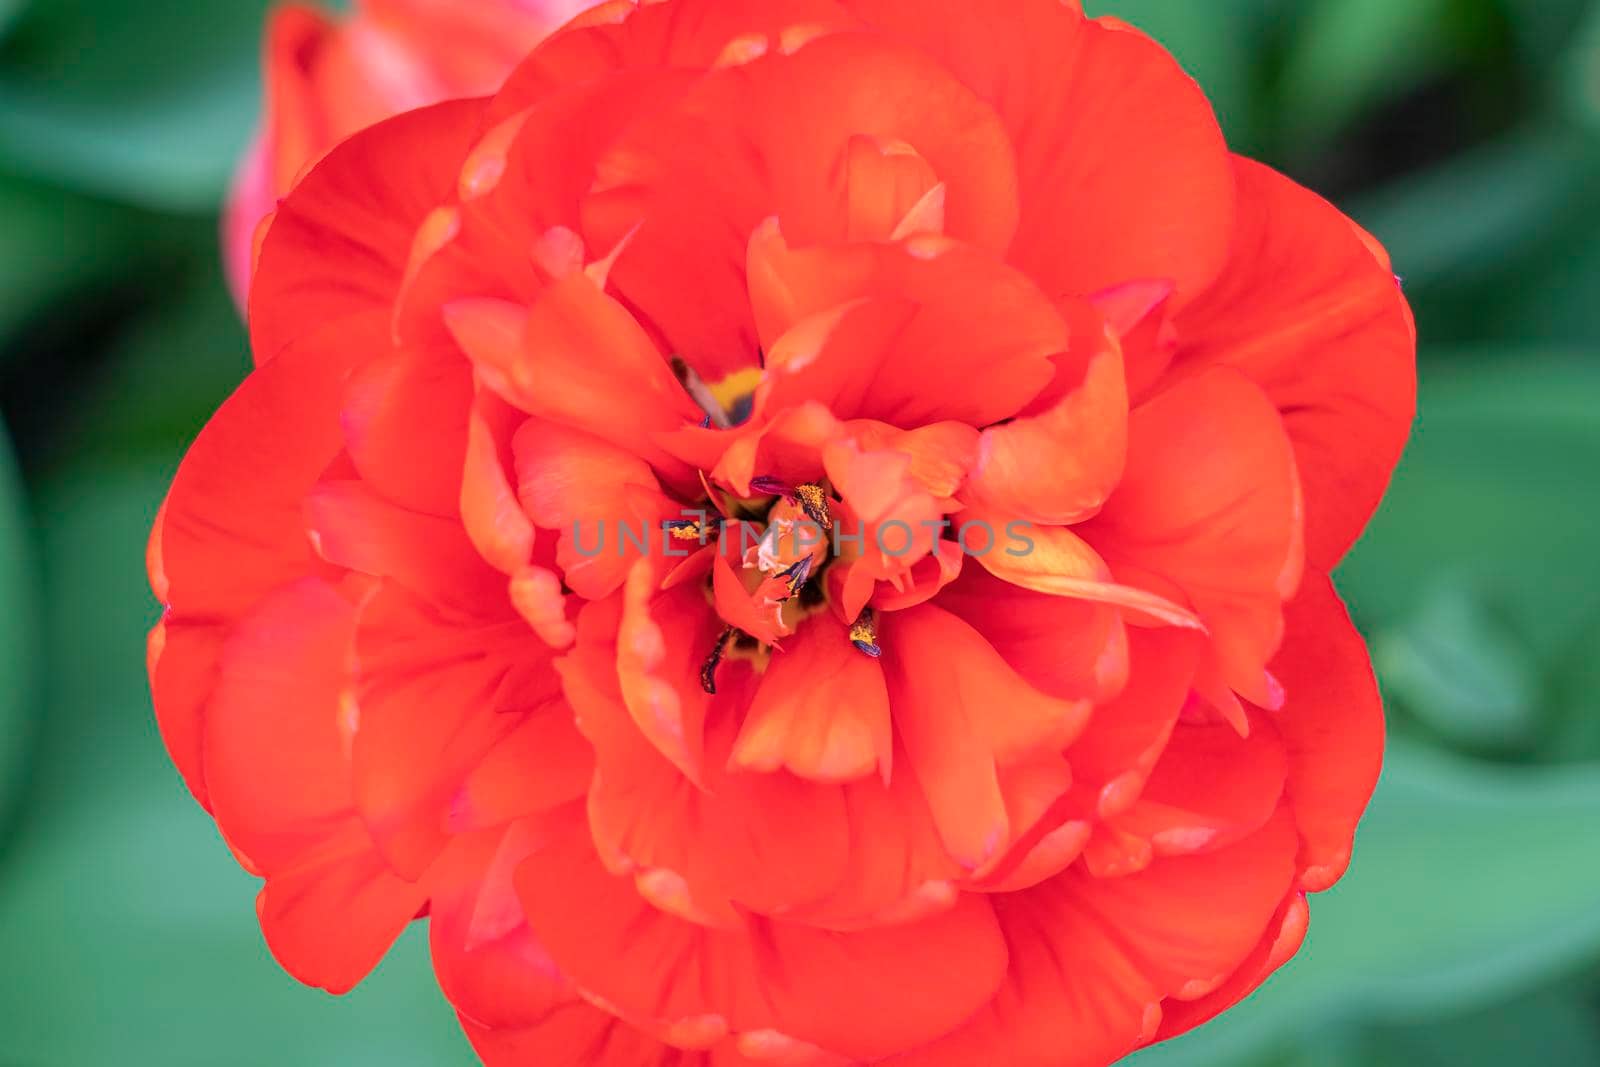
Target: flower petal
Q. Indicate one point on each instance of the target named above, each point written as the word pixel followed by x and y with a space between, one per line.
pixel 1122 170
pixel 1310 309
pixel 862 995
pixel 340 242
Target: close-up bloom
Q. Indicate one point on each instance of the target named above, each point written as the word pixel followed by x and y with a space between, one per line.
pixel 794 533
pixel 328 77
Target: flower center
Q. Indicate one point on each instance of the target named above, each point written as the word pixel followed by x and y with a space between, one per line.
pixel 783 571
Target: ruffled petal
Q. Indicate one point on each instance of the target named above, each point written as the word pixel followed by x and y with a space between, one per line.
pixel 404 418
pixel 434 695
pixel 912 327
pixel 1310 309
pixel 1332 726
pixel 861 995
pixel 964 714
pixel 1122 170
pixel 771 138
pixel 821 711
pixel 278 769
pixel 1210 509
pixel 340 243
pixel 1093 960
pixel 1060 460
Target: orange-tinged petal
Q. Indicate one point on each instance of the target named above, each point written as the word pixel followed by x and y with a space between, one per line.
pixel 353 527
pixel 543 763
pixel 604 501
pixel 563 359
pixel 770 138
pixel 821 712
pixel 1211 504
pixel 1332 726
pixel 434 696
pixel 1310 312
pixel 1122 170
pixel 1283 937
pixel 885 183
pixel 770 841
pixel 936 316
pixel 484 955
pixel 1066 647
pixel 963 713
pixel 404 418
pixel 1058 465
pixel 862 995
pixel 1055 561
pixel 340 242
pixel 181 658
pixel 329 919
pixel 490 512
pixel 276 757
pixel 1125 737
pixel 1092 960
pixel 1209 788
pixel 233 527
pixel 661 640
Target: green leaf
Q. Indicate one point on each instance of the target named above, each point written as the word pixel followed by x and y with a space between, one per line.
pixel 126 920
pixel 1497 491
pixel 1457 667
pixel 1574 700
pixel 145 100
pixel 57 243
pixel 1350 54
pixel 1551 1026
pixel 168 372
pixel 1470 881
pixel 18 635
pixel 1469 219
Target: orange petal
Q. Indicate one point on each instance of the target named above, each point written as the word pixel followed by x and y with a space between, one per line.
pixel 329 920
pixel 604 501
pixel 934 316
pixel 822 710
pixel 1210 502
pixel 490 512
pixel 1092 960
pixel 484 955
pixel 768 139
pixel 1055 561
pixel 1060 464
pixel 1209 788
pixel 562 361
pixel 541 764
pixel 963 713
pixel 340 242
pixel 861 995
pixel 233 527
pixel 1332 725
pixel 405 418
pixel 1122 170
pixel 276 758
pixel 353 527
pixel 434 696
pixel 1066 647
pixel 1317 319
pixel 1125 736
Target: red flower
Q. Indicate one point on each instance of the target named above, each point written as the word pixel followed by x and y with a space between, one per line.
pixel 327 78
pixel 972 690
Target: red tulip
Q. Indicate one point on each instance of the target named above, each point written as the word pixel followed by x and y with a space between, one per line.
pixel 971 689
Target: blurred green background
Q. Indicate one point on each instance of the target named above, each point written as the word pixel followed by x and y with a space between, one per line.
pixel 1464 133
